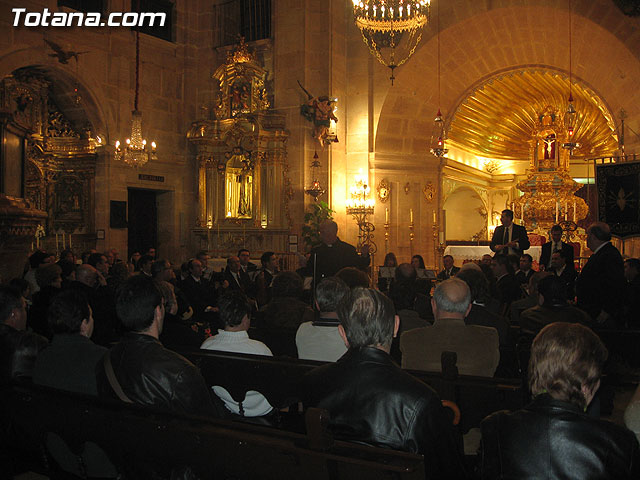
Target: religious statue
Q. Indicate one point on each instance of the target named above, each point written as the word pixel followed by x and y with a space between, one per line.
pixel 319 110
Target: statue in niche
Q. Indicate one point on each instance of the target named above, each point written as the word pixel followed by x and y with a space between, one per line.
pixel 238 184
pixel 550 146
pixel 240 97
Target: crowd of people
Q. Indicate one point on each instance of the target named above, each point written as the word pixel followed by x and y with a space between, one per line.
pixel 108 327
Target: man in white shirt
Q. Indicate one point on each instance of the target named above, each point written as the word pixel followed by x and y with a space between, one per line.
pixel 320 339
pixel 234 313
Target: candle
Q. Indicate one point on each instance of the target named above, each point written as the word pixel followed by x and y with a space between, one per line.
pixel 70 241
pixel 557 208
pixel 411 215
pixel 386 215
pixel 566 210
pixel 441 237
pixel 574 212
pixel 434 216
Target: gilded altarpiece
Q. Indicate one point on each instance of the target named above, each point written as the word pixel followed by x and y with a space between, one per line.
pixel 243 188
pixel 59 159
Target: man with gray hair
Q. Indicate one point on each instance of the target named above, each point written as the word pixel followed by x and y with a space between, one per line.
pixel 371 400
pixel 477 347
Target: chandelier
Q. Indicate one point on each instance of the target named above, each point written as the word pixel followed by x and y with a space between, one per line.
pixel 570 115
pixel 315 190
pixel 392 29
pixel 136 152
pixel 436 144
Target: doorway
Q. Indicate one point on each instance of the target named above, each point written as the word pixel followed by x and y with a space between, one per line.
pixel 143 220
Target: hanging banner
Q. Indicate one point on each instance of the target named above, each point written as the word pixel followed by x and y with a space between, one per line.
pixel 618 194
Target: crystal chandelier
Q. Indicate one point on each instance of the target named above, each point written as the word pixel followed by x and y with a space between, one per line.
pixel 392 29
pixel 315 190
pixel 136 152
pixel 436 144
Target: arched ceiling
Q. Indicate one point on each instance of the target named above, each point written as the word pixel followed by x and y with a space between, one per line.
pixel 496 120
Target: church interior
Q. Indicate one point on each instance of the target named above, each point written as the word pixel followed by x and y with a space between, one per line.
pixel 239 158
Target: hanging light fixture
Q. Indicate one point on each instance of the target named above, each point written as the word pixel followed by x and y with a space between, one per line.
pixel 437 144
pixel 136 152
pixel 315 190
pixel 392 29
pixel 570 115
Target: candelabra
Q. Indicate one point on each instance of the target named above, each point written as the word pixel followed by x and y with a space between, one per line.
pixel 411 234
pixel 387 225
pixel 359 206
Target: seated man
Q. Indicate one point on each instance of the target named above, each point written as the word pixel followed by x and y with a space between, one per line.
pixel 236 279
pixel 199 292
pixel 565 272
pixel 477 347
pixel 139 369
pixel 552 307
pixel 234 312
pixel 524 273
pixel 449 269
pixel 371 400
pixel 553 437
pixel 507 288
pixel 320 339
pixel 69 363
pixel 286 308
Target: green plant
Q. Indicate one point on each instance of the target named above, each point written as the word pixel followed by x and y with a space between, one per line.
pixel 318 213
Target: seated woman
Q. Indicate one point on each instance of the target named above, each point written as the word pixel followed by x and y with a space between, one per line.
pixel 385 283
pixel 553 437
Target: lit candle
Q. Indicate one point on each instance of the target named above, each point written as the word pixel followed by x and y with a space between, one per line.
pixel 434 217
pixel 557 209
pixel 386 215
pixel 574 212
pixel 411 215
pixel 566 210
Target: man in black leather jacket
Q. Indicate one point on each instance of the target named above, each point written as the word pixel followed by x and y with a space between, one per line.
pixel 553 437
pixel 139 369
pixel 371 400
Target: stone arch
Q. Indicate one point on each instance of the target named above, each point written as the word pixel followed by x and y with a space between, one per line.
pixel 64 80
pixel 485 42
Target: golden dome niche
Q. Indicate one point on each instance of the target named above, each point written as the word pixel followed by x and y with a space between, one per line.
pixel 497 120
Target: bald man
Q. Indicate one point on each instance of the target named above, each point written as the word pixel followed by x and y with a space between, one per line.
pixel 477 347
pixel 600 285
pixel 334 254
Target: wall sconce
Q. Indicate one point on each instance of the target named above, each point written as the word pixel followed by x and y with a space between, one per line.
pixel 359 206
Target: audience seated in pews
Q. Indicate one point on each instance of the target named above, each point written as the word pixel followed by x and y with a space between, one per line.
pixel 479 313
pixel 531 300
pixel 49 280
pixel 524 271
pixel 449 269
pixel 553 436
pixel 477 347
pixel 371 400
pixel 18 348
pixel 320 339
pixel 69 362
pixel 139 369
pixel 507 288
pixel 234 313
pixel 286 309
pixel 552 307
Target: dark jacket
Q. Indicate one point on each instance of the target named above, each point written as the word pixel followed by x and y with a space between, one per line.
pixel 446 275
pixel 151 375
pixel 518 232
pixel 331 259
pixel 601 283
pixel 554 439
pixel 371 400
pixel 545 254
pixel 69 363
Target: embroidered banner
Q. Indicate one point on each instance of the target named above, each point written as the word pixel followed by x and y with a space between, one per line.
pixel 618 194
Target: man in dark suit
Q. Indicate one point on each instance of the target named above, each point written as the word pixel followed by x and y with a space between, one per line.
pixel 449 269
pixel 556 244
pixel 600 286
pixel 507 287
pixel 245 264
pixel 237 279
pixel 565 272
pixel 509 238
pixel 525 272
pixel 199 292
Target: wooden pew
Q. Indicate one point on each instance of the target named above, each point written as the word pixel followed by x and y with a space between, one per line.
pixel 139 440
pixel 278 380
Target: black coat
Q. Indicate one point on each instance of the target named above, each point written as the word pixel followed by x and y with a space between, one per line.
pixel 331 259
pixel 371 400
pixel 444 275
pixel 518 232
pixel 545 255
pixel 601 283
pixel 554 439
